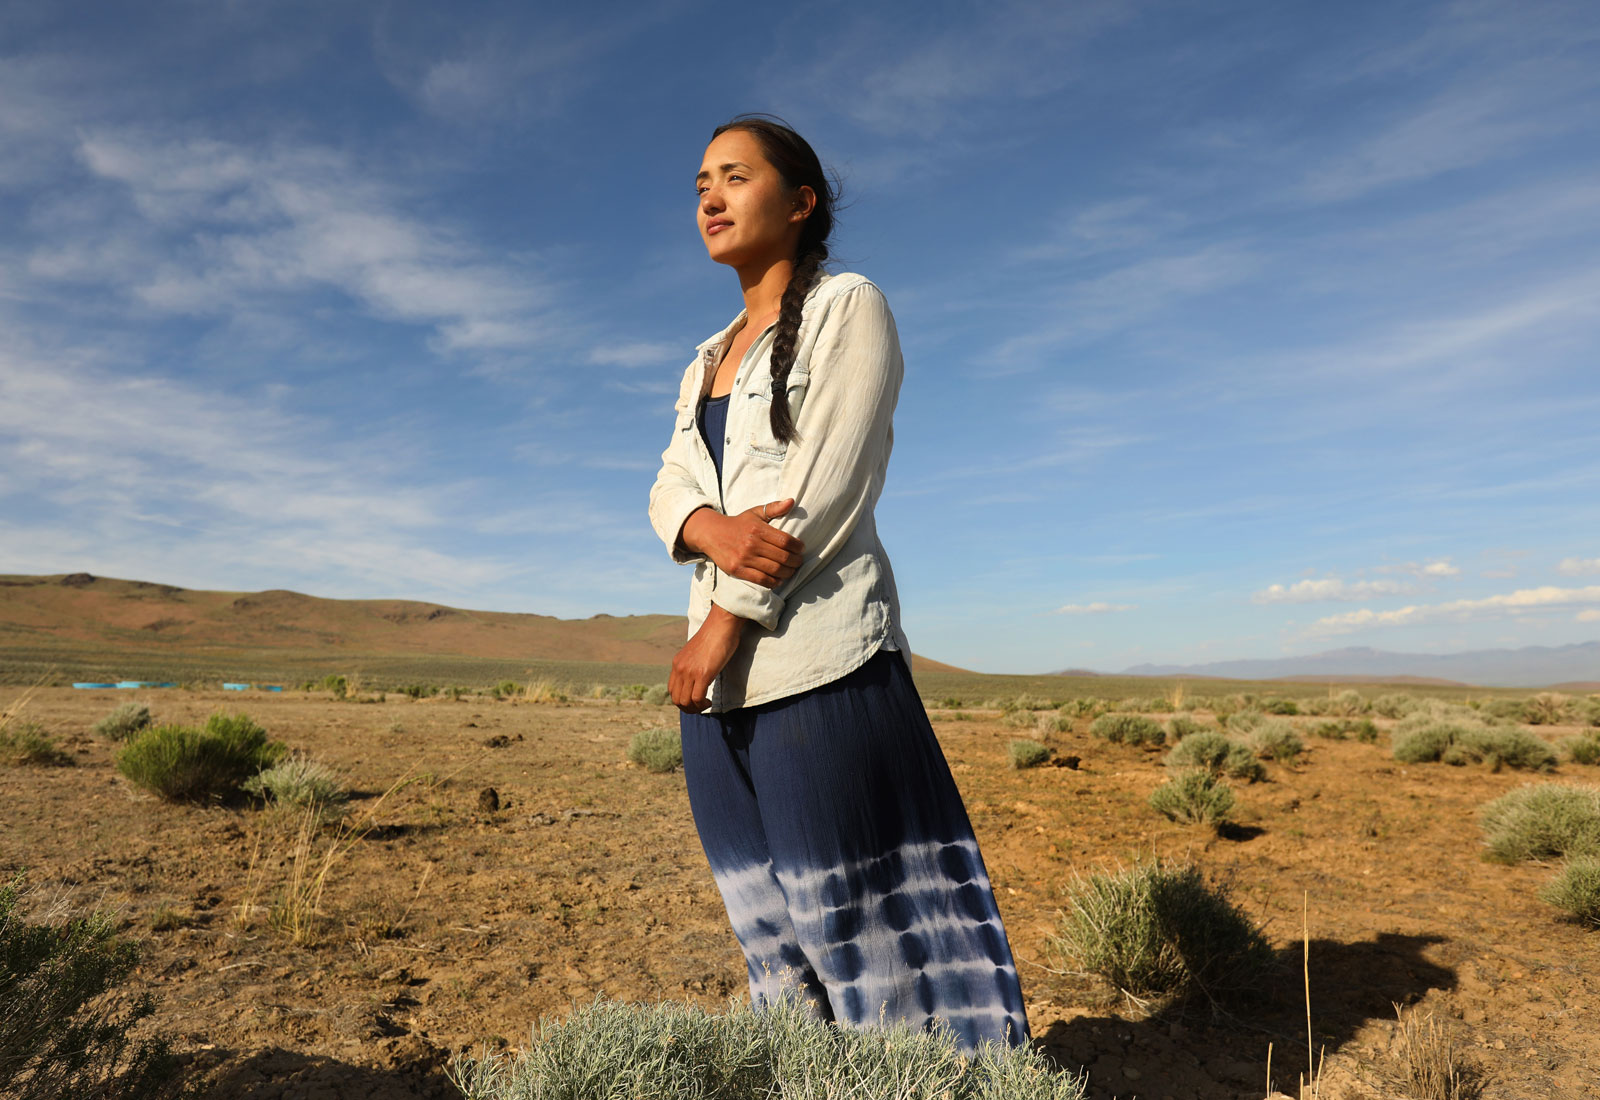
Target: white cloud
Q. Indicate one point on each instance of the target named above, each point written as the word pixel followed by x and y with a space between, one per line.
pixel 1093 608
pixel 1329 588
pixel 218 228
pixel 639 354
pixel 1592 615
pixel 1578 567
pixel 1490 607
pixel 1432 568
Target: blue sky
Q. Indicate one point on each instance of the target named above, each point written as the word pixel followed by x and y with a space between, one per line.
pixel 1236 329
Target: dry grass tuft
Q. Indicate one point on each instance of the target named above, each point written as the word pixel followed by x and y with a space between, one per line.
pixel 1434 1067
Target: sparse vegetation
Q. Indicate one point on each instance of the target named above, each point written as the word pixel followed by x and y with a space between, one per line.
pixel 1342 729
pixel 1346 704
pixel 24 743
pixel 63 1029
pixel 1154 931
pixel 1543 821
pixel 301 783
pixel 1084 708
pixel 1394 705
pixel 658 749
pixel 1577 889
pixel 1280 706
pixel 1244 721
pixel 1181 726
pixel 1434 1070
pixel 123 722
pixel 1195 797
pixel 1219 754
pixel 658 695
pixel 1548 709
pixel 1583 749
pixel 1128 729
pixel 182 764
pixel 668 1051
pixel 1474 743
pixel 1275 739
pixel 1029 754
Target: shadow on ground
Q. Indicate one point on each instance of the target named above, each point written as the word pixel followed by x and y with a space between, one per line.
pixel 416 1073
pixel 1188 1052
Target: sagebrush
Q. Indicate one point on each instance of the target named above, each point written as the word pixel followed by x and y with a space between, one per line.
pixel 123 722
pixel 1196 797
pixel 1128 729
pixel 1216 752
pixel 1577 889
pixel 658 749
pixel 300 783
pixel 63 1022
pixel 670 1051
pixel 29 743
pixel 1543 821
pixel 182 764
pixel 1158 931
pixel 1028 754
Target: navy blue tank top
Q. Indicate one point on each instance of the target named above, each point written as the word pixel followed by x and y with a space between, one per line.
pixel 713 420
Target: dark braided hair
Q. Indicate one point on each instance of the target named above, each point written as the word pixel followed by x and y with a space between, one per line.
pixel 797 163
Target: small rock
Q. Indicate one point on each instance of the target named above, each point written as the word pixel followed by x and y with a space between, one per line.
pixel 488 800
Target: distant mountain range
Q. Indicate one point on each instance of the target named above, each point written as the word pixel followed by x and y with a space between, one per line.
pixel 1575 667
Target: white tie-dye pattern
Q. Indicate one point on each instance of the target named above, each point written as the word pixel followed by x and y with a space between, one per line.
pixel 871 973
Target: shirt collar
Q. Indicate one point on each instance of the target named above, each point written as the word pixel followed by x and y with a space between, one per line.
pixel 713 341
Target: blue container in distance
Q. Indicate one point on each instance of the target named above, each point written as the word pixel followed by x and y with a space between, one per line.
pixel 269 687
pixel 86 684
pixel 131 684
pixel 235 687
pixel 165 684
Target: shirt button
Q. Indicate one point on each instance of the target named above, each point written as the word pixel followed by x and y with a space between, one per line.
pixel 727 439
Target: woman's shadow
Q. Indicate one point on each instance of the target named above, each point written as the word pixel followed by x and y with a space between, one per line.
pixel 1196 1044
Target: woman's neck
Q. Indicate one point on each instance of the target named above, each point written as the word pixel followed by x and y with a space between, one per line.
pixel 763 288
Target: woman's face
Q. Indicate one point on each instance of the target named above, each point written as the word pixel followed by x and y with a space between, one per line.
pixel 747 214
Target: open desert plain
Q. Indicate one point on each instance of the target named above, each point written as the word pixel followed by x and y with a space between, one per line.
pixel 503 861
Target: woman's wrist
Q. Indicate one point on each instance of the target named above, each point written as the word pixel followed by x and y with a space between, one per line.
pixel 695 528
pixel 721 619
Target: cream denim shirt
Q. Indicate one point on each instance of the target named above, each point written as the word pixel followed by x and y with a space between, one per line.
pixel 840 607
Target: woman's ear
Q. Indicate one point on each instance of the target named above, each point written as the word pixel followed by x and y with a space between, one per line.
pixel 805 201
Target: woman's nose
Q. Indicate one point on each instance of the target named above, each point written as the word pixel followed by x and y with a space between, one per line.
pixel 710 200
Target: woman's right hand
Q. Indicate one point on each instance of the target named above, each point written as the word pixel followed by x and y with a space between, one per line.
pixel 746 545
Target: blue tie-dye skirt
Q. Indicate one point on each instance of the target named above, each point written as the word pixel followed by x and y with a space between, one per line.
pixel 846 860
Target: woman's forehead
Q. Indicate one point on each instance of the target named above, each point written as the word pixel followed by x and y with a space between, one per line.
pixel 733 147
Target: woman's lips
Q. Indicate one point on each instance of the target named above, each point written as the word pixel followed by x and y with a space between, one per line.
pixel 712 228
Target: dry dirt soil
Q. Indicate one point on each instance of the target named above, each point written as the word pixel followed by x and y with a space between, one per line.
pixel 448 925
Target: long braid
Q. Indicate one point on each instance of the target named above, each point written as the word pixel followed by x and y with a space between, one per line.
pixel 786 334
pixel 797 162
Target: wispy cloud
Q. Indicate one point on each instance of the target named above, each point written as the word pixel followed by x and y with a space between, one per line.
pixel 1093 608
pixel 1433 568
pixel 1522 601
pixel 636 354
pixel 898 76
pixel 1578 567
pixel 1329 588
pixel 217 227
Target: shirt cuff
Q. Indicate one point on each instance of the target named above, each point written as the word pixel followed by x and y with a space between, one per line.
pixel 748 601
pixel 675 515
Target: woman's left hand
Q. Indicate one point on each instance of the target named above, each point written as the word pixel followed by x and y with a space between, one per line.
pixel 701 660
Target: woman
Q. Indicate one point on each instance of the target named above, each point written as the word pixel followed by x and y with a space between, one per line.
pixel 825 806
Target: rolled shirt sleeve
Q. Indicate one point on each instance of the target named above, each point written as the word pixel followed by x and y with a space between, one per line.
pixel 676 493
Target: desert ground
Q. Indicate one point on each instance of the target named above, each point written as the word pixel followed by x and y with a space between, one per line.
pixel 447 925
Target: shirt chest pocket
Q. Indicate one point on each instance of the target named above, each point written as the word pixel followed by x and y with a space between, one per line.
pixel 759 442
